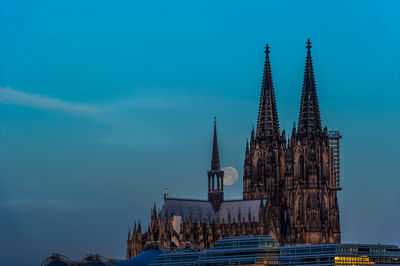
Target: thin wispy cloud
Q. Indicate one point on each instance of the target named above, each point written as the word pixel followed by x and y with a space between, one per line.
pixel 46 204
pixel 114 109
pixel 27 99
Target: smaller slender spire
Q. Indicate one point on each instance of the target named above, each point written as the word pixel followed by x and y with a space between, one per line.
pixel 215 175
pixel 154 210
pixel 215 166
pixel 252 138
pixel 294 129
pixel 247 155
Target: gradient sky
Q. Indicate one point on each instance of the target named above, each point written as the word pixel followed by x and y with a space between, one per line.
pixel 103 103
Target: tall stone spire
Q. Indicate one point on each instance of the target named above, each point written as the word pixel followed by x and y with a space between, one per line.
pixel 215 154
pixel 309 116
pixel 267 123
pixel 215 175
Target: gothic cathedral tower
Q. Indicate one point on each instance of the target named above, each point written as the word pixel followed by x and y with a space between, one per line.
pixel 262 169
pixel 313 205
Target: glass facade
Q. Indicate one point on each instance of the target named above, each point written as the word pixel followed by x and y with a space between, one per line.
pixel 264 250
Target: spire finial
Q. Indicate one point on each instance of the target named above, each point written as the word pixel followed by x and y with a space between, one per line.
pixel 308 45
pixel 267 49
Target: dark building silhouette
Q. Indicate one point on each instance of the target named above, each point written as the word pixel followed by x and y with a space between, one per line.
pixel 215 175
pixel 289 184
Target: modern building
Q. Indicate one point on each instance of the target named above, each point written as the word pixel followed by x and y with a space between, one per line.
pixel 249 250
pixel 290 183
pixel 265 250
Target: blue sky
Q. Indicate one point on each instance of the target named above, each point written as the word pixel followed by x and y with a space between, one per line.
pixel 103 103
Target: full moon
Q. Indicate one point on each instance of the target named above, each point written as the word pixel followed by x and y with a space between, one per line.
pixel 230 175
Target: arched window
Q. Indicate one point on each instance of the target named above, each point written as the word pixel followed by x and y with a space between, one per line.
pixel 301 167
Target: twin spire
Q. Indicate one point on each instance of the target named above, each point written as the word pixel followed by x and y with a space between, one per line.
pixel 267 123
pixel 309 116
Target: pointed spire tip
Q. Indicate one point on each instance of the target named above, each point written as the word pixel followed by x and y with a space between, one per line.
pixel 215 154
pixel 309 117
pixel 308 45
pixel 267 49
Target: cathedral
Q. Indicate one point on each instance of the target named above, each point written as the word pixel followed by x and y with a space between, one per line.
pixel 290 184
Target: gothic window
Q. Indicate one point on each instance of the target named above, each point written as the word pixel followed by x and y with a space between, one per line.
pixel 301 167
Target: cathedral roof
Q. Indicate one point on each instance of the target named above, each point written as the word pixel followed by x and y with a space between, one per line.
pixel 201 209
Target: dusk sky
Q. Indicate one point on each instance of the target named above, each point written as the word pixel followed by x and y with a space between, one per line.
pixel 104 103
